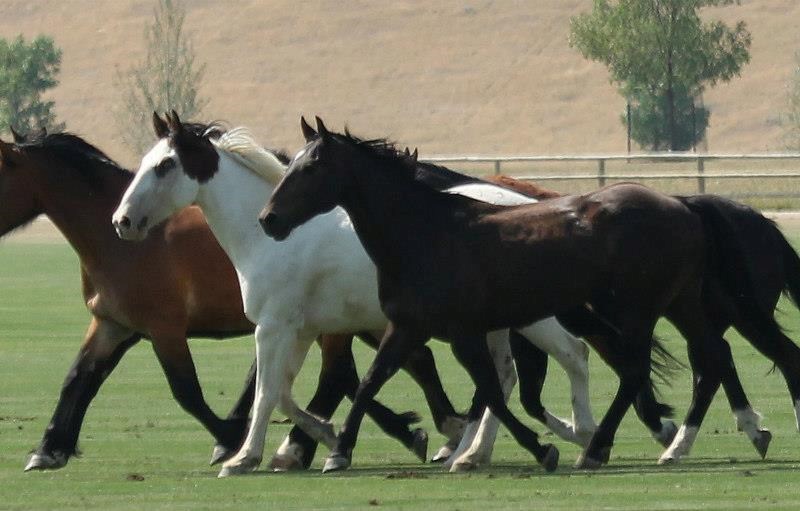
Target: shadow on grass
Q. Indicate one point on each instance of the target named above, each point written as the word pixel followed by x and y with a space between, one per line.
pixel 617 467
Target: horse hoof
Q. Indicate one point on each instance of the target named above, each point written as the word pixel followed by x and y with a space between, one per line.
pixel 241 467
pixel 668 431
pixel 444 453
pixel 761 443
pixel 220 454
pixel 280 463
pixel 463 466
pixel 335 462
pixel 420 444
pixel 43 461
pixel 668 460
pixel 550 460
pixel 605 455
pixel 586 463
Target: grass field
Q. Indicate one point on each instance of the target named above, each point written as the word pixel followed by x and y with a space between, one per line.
pixel 141 451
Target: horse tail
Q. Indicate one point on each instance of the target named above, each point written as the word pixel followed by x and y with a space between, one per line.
pixel 730 264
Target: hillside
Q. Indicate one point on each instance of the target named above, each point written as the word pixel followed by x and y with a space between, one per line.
pixel 450 77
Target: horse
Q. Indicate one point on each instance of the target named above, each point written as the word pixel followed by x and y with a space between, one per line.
pixel 633 254
pixel 775 268
pixel 228 178
pixel 182 285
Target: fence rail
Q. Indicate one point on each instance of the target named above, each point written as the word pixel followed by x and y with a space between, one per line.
pixel 601 176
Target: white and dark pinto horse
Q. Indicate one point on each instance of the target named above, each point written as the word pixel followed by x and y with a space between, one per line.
pixel 326 281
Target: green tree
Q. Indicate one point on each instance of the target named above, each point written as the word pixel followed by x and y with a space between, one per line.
pixel 26 71
pixel 660 52
pixel 791 120
pixel 166 79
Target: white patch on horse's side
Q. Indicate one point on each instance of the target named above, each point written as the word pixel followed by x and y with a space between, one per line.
pixel 749 421
pixel 491 193
pixel 681 445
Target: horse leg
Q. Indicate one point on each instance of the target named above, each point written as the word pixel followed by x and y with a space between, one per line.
pixel 274 346
pixel 633 368
pixel 476 449
pixel 173 354
pixel 395 348
pixel 573 355
pixel 335 379
pixel 650 411
pixel 103 347
pixel 708 361
pixel 421 366
pixel 338 378
pixel 473 353
pixel 239 412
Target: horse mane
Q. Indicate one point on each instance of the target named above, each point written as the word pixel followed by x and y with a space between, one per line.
pixel 75 152
pixel 381 148
pixel 239 144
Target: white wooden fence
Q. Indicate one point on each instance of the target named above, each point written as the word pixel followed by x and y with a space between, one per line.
pixel 789 187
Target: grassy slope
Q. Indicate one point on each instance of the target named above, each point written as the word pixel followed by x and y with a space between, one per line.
pixel 134 428
pixel 451 77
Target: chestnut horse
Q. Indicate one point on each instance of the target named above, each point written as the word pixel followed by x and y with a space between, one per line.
pixel 178 283
pixel 633 254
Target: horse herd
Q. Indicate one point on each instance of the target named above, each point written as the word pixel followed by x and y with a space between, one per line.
pixel 360 239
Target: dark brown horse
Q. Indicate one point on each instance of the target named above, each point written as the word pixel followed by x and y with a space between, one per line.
pixel 176 284
pixel 633 254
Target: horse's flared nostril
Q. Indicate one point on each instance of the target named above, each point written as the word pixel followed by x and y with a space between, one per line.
pixel 123 222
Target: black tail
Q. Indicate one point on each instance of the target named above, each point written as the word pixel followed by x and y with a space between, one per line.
pixel 663 364
pixel 729 263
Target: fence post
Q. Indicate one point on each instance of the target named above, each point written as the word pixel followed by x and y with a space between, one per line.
pixel 701 180
pixel 601 172
pixel 497 167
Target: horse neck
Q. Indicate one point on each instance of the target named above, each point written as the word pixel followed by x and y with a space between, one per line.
pixel 391 213
pixel 231 201
pixel 83 215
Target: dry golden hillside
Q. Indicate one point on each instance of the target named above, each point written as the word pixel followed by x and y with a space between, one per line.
pixel 451 77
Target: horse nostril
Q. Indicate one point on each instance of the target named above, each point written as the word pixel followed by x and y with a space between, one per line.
pixel 124 222
pixel 266 219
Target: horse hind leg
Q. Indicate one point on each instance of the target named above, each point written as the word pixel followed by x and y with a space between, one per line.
pixel 237 417
pixel 473 353
pixel 104 346
pixel 476 446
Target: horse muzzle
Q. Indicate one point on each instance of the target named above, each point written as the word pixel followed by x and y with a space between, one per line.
pixel 127 231
pixel 273 227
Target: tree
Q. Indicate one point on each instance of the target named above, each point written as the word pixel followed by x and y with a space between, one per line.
pixel 661 52
pixel 27 71
pixel 791 120
pixel 166 79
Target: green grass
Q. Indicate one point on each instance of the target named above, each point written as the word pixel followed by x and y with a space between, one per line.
pixel 141 451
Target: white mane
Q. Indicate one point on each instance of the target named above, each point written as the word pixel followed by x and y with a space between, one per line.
pixel 239 144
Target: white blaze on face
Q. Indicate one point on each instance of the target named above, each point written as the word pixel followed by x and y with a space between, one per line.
pixel 491 194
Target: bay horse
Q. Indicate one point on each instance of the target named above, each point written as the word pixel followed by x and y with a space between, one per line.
pixel 322 290
pixel 633 254
pixel 182 284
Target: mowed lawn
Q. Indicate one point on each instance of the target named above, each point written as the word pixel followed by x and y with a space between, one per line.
pixel 141 451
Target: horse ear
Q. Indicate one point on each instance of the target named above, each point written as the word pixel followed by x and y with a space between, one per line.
pixel 160 126
pixel 175 122
pixel 415 155
pixel 18 137
pixel 308 131
pixel 406 151
pixel 321 129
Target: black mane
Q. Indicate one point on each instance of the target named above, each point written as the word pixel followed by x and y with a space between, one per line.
pixel 435 176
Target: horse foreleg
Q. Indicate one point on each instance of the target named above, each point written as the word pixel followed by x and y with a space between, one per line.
pixel 103 347
pixel 239 413
pixel 394 350
pixel 476 449
pixel 274 347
